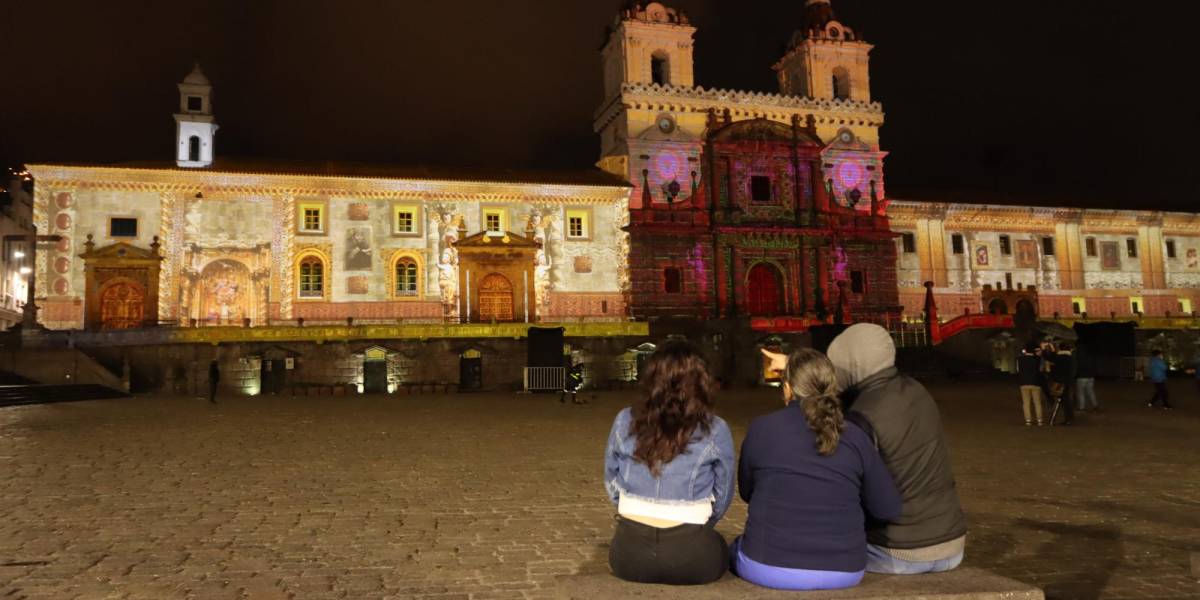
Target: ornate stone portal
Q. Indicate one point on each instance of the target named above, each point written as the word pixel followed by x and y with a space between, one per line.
pixel 497 277
pixel 122 285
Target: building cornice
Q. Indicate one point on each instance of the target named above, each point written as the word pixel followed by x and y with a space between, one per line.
pixel 753 104
pixel 1034 218
pixel 218 183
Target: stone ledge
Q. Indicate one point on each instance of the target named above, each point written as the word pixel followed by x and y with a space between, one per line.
pixel 961 584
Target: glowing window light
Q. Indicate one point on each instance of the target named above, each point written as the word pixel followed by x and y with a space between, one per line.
pixel 18 254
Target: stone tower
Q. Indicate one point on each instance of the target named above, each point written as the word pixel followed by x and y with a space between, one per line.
pixel 825 59
pixel 194 126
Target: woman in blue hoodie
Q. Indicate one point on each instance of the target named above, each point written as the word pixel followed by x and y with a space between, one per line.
pixel 811 480
pixel 668 468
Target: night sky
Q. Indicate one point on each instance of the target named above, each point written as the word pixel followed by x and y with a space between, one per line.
pixel 1054 102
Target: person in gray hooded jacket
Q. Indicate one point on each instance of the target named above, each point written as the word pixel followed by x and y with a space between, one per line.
pixel 930 535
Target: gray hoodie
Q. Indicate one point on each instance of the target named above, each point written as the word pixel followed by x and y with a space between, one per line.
pixel 908 432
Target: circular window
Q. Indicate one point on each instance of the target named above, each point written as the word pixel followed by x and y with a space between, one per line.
pixel 666 124
pixel 835 33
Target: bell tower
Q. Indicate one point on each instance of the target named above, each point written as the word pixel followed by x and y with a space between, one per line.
pixel 194 126
pixel 825 59
pixel 648 45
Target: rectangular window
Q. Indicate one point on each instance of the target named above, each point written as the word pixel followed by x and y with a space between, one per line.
pixel 1005 245
pixel 1091 247
pixel 1079 305
pixel 1008 281
pixel 858 282
pixel 910 242
pixel 956 242
pixel 1048 246
pixel 760 188
pixel 579 224
pixel 405 223
pixel 1170 248
pixel 1135 305
pixel 1131 247
pixel 195 103
pixel 672 280
pixel 312 217
pixel 495 220
pixel 122 227
pixel 1185 306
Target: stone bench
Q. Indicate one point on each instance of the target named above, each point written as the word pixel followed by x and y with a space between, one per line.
pixel 961 584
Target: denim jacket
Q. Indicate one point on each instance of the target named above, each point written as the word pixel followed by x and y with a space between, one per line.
pixel 704 471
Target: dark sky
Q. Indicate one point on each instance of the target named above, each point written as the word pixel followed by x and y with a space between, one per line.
pixel 1060 102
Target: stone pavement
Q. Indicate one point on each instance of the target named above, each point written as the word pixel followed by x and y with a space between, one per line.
pixel 500 496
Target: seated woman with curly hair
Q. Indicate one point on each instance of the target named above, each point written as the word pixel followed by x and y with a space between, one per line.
pixel 811 480
pixel 668 468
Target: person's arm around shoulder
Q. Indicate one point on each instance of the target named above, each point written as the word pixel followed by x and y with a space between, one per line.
pixel 723 466
pixel 880 498
pixel 612 455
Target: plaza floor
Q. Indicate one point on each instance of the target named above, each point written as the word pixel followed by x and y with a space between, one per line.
pixel 500 495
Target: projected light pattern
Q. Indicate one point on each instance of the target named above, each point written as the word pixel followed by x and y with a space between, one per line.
pixel 669 165
pixel 699 271
pixel 841 264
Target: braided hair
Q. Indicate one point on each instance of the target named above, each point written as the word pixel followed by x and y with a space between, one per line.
pixel 813 382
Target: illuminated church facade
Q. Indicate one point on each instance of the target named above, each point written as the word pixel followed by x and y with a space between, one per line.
pixel 708 204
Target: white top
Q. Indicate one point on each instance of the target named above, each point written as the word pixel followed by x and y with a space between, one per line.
pixel 694 513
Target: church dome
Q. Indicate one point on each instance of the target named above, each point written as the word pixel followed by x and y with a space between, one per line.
pixel 196 77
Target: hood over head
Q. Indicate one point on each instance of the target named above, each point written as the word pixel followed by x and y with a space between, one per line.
pixel 860 352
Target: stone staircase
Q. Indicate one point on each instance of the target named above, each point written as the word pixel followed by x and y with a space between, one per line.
pixel 25 394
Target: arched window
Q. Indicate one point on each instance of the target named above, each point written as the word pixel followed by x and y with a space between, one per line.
pixel 407 274
pixel 194 148
pixel 660 69
pixel 312 277
pixel 841 83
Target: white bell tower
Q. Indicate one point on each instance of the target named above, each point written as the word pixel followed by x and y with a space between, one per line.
pixel 194 126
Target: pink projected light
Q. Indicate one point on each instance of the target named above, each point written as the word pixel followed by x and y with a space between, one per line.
pixel 668 165
pixel 850 175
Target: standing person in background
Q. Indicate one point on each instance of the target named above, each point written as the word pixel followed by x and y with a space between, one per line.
pixel 1062 378
pixel 1029 369
pixel 1085 379
pixel 1158 376
pixel 214 380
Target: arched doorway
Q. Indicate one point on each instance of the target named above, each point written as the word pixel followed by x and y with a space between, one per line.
pixel 122 305
pixel 495 299
pixel 764 291
pixel 997 307
pixel 226 293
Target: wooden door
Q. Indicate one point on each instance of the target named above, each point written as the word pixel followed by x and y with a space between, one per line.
pixel 495 299
pixel 764 292
pixel 122 305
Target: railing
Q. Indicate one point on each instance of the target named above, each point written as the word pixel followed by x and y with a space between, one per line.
pixel 962 323
pixel 545 379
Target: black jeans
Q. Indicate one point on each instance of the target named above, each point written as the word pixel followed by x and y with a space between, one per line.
pixel 682 555
pixel 1160 391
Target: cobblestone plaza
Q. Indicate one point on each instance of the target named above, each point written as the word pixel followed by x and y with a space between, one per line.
pixel 500 496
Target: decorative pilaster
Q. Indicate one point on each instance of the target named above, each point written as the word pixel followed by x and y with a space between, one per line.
pixel 284 249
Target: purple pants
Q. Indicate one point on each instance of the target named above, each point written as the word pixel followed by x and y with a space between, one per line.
pixel 781 578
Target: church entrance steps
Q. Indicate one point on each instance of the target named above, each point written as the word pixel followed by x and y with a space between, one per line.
pixel 960 584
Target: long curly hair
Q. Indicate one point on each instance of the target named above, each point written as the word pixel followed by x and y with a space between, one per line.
pixel 678 399
pixel 813 382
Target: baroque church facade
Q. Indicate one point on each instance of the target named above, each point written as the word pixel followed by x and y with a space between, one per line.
pixel 707 204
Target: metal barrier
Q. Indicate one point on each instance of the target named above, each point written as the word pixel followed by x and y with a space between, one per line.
pixel 545 379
